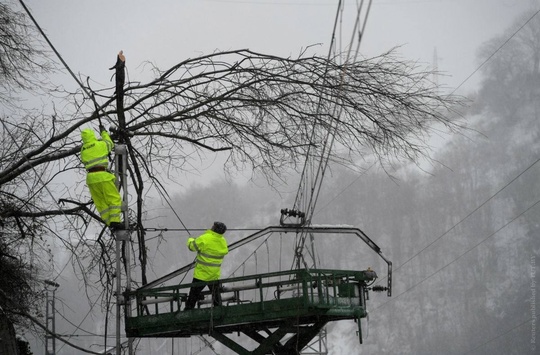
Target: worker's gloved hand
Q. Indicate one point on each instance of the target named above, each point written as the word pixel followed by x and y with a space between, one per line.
pixel 114 134
pixel 102 128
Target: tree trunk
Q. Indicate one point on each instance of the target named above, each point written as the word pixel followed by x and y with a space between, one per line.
pixel 8 341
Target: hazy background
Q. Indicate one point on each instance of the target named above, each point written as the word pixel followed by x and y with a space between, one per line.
pixel 462 233
pixel 89 34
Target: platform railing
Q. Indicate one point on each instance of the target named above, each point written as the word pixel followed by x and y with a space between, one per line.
pixel 316 287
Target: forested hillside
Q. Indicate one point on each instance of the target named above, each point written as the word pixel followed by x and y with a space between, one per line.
pixel 462 232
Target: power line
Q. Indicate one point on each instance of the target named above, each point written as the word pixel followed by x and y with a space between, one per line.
pixel 472 212
pixel 495 52
pixel 51 195
pixel 345 188
pixel 310 186
pixel 152 229
pixel 91 96
pixel 265 241
pixel 162 194
pixel 463 254
pixel 39 176
pixel 77 327
pixel 468 215
pixel 500 335
pixel 61 58
pixel 463 82
pixel 330 138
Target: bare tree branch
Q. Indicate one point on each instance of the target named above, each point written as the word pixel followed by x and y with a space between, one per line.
pixel 267 113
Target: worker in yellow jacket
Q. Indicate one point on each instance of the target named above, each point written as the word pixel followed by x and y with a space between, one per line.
pixel 101 183
pixel 211 248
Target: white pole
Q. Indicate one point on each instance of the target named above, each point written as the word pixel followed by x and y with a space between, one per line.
pixel 122 236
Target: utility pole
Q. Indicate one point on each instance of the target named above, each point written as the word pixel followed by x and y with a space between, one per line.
pixel 50 340
pixel 122 236
pixel 122 244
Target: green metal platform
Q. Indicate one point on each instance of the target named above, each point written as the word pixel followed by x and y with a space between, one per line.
pixel 292 305
pixel 280 312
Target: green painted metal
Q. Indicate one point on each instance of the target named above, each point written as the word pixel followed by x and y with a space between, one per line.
pixel 298 302
pixel 315 230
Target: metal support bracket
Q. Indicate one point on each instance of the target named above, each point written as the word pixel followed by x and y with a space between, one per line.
pixel 122 235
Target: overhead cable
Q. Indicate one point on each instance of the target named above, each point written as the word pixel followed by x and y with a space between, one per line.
pixel 462 254
pixel 469 214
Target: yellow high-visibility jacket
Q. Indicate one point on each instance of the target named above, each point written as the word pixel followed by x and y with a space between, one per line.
pixel 95 152
pixel 101 183
pixel 211 248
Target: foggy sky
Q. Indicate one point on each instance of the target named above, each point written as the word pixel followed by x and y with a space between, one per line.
pixel 88 34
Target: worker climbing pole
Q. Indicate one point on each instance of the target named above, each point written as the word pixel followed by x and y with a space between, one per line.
pixel 96 164
pixel 122 234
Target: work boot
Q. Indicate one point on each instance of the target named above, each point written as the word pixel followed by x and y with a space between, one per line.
pixel 117 226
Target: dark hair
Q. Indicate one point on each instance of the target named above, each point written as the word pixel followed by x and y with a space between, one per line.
pixel 219 227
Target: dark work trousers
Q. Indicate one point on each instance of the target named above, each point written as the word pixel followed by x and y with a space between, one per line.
pixel 195 293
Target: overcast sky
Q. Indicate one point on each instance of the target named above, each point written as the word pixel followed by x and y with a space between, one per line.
pixel 88 34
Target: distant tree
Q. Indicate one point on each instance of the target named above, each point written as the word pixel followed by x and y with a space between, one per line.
pixel 511 74
pixel 22 58
pixel 24 347
pixel 17 291
pixel 21 64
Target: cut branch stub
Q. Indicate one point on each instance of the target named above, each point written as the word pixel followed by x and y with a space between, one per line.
pixel 120 79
